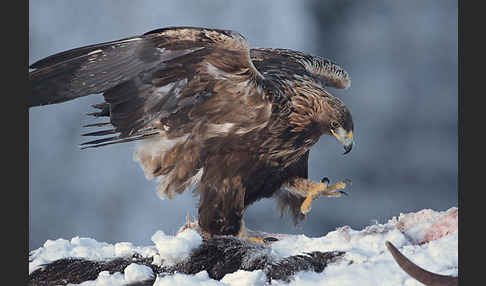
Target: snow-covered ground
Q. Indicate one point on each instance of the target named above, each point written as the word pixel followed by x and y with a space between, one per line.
pixel 428 238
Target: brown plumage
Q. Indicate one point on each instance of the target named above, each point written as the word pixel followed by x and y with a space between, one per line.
pixel 208 111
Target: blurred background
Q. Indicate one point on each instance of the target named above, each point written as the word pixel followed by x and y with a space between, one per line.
pixel 402 57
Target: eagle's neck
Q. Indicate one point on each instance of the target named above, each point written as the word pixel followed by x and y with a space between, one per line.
pixel 295 125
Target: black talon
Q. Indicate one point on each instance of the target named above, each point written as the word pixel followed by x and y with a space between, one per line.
pixel 269 239
pixel 325 180
pixel 343 193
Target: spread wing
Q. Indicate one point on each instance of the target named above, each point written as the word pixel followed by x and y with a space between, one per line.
pixel 298 65
pixel 166 79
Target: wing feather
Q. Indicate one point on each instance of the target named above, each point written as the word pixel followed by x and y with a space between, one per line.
pixel 321 70
pixel 171 77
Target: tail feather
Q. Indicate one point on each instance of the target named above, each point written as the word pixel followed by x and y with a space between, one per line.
pixel 114 140
pixel 100 133
pixel 104 110
pixel 98 124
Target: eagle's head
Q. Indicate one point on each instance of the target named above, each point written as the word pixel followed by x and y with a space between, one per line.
pixel 317 111
pixel 338 122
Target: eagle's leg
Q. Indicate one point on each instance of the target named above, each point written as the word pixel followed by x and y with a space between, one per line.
pixel 221 207
pixel 243 234
pixel 311 190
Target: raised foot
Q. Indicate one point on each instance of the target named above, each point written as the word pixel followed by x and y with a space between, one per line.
pixel 324 189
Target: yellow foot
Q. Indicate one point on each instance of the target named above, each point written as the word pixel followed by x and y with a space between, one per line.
pixel 253 236
pixel 259 240
pixel 256 240
pixel 323 189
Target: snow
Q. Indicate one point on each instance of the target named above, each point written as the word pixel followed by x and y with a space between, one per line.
pixel 167 249
pixel 133 273
pixel 136 272
pixel 201 278
pixel 428 238
pixel 238 278
pixel 105 279
pixel 77 247
pixel 242 278
pixel 175 249
pixel 380 269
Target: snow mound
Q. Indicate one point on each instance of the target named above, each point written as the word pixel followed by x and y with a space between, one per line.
pixel 242 278
pixel 428 238
pixel 175 249
pixel 201 278
pixel 136 272
pixel 77 247
pixel 238 278
pixel 167 249
pixel 133 273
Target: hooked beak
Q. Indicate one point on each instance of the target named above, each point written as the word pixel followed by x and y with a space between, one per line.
pixel 346 138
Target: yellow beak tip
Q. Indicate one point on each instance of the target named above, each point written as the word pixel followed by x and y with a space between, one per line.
pixel 349 135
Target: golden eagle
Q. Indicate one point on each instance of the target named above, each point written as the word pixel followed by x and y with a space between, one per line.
pixel 209 111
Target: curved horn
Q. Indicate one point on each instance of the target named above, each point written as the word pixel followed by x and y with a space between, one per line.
pixel 426 277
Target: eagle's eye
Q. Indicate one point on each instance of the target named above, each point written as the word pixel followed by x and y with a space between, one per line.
pixel 334 124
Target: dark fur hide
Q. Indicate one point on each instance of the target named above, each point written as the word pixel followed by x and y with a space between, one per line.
pixel 218 256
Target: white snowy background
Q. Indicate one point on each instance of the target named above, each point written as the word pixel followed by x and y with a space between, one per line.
pixel 428 238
